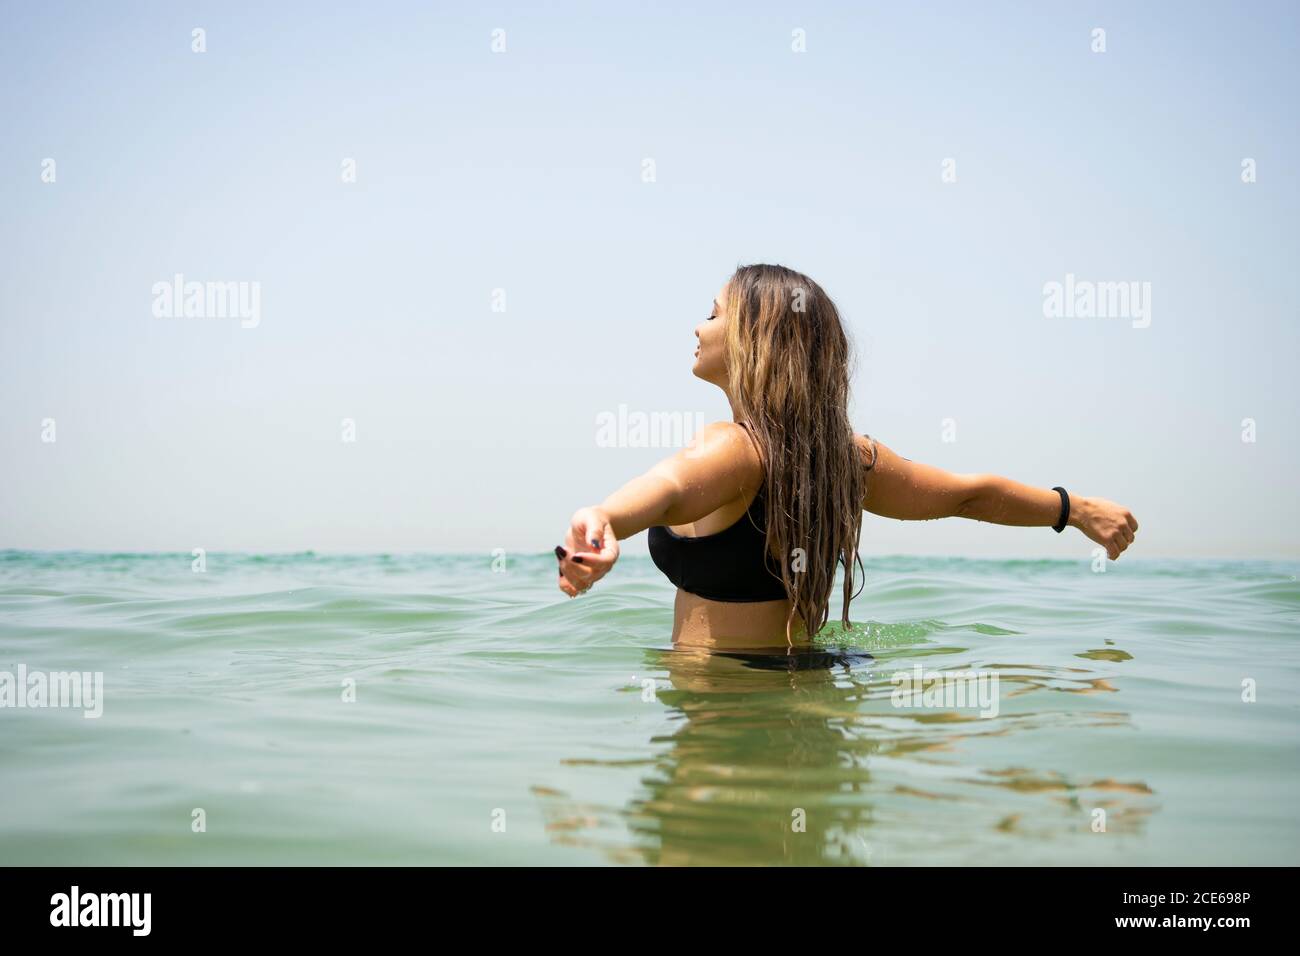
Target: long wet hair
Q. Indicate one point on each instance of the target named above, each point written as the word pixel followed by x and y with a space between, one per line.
pixel 789 365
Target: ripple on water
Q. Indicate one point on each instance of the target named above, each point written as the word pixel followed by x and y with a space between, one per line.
pixel 381 709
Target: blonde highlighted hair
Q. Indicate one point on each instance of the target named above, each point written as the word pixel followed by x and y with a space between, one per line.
pixel 788 376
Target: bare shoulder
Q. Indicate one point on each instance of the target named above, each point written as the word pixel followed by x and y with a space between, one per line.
pixel 719 465
pixel 726 449
pixel 727 440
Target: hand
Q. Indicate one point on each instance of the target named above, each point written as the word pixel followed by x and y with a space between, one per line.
pixel 589 551
pixel 1112 526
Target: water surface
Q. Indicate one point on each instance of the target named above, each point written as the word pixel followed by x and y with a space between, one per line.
pixel 496 721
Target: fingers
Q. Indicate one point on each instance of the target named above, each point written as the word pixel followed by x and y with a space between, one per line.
pixel 572 563
pixel 1124 536
pixel 1119 542
pixel 604 553
pixel 574 569
pixel 595 562
pixel 580 568
pixel 607 543
pixel 569 588
pixel 1117 531
pixel 583 526
pixel 575 576
pixel 587 536
pixel 590 566
pixel 578 574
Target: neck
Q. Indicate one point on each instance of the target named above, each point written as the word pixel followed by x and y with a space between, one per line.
pixel 732 405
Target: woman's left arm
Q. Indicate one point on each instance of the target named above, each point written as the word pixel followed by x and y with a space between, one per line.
pixel 911 491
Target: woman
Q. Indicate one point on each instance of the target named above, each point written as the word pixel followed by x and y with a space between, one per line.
pixel 752 519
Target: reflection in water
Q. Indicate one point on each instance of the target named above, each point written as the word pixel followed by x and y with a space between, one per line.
pixel 799 758
pixel 761 768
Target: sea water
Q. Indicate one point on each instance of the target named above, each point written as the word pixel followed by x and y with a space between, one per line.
pixel 459 709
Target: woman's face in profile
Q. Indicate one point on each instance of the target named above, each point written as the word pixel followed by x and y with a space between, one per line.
pixel 710 357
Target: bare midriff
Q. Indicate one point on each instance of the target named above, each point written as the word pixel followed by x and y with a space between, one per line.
pixel 726 625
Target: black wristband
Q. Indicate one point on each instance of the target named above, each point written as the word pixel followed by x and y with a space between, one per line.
pixel 1065 511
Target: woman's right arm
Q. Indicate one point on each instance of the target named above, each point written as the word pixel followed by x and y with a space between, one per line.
pixel 716 468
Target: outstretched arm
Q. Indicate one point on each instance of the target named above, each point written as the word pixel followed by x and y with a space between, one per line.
pixel 717 467
pixel 910 491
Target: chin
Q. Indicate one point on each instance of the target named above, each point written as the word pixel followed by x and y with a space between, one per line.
pixel 703 374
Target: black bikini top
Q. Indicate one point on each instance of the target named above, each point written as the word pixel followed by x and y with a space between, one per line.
pixel 731 565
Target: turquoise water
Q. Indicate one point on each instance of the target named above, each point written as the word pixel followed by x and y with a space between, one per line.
pixel 497 721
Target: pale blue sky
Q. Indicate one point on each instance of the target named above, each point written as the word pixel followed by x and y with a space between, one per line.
pixel 523 171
